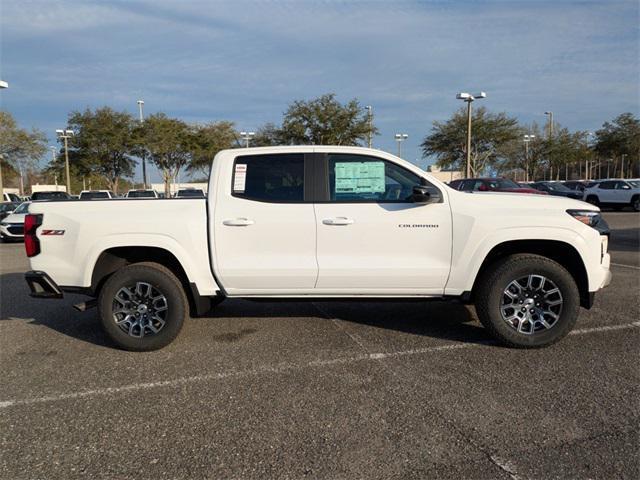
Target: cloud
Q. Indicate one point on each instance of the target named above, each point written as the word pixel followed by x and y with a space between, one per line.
pixel 246 60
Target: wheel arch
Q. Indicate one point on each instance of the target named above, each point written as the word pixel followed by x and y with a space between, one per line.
pixel 559 251
pixel 112 259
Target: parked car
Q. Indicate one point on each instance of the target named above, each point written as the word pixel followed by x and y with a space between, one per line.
pixel 576 185
pixel 12 226
pixel 190 193
pixel 314 222
pixel 615 193
pixel 53 195
pixel 491 185
pixel 10 197
pixel 557 189
pixel 7 208
pixel 142 194
pixel 96 194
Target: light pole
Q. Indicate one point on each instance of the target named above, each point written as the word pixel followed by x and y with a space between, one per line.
pixel 527 139
pixel 400 137
pixel 144 163
pixel 468 98
pixel 247 136
pixel 66 135
pixel 370 119
pixel 53 160
pixel 608 165
pixel 550 123
pixel 3 84
pixel 622 157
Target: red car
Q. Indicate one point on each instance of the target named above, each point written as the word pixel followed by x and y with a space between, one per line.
pixel 491 185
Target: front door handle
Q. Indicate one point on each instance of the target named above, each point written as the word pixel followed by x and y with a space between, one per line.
pixel 238 222
pixel 338 221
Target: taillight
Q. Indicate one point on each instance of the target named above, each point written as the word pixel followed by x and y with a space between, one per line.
pixel 31 242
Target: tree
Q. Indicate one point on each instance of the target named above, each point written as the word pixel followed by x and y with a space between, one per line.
pixel 170 143
pixel 490 132
pixel 268 135
pixel 620 137
pixel 322 121
pixel 103 143
pixel 20 149
pixel 208 140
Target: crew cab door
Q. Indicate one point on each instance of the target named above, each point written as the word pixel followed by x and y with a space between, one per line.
pixel 372 238
pixel 264 225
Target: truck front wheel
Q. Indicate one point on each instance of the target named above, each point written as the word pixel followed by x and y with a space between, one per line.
pixel 527 301
pixel 142 307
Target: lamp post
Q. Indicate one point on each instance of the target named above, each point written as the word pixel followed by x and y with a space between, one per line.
pixel 400 137
pixel 550 123
pixel 370 120
pixel 468 98
pixel 66 135
pixel 144 163
pixel 527 139
pixel 3 84
pixel 247 136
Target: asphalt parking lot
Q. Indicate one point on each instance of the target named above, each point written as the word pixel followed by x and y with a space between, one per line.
pixel 322 390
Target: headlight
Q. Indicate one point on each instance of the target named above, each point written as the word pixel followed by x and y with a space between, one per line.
pixel 593 219
pixel 588 217
pixel 4 223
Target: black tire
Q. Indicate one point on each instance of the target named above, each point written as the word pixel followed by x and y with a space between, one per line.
pixel 164 282
pixel 489 295
pixel 635 203
pixel 593 200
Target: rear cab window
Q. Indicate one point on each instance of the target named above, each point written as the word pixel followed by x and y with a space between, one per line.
pixel 274 178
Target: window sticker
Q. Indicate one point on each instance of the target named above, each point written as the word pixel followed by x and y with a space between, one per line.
pixel 359 177
pixel 240 177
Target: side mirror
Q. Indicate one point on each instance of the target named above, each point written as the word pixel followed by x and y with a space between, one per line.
pixel 626 187
pixel 423 195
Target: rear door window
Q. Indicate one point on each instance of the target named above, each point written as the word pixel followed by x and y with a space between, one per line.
pixel 275 178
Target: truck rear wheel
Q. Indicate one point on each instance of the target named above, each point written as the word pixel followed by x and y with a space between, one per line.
pixel 142 307
pixel 527 301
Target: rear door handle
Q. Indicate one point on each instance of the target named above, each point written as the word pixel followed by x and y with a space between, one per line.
pixel 238 222
pixel 338 221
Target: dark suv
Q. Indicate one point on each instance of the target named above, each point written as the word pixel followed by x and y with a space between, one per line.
pixel 490 185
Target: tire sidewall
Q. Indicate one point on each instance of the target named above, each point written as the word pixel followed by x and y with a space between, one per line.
pixel 165 283
pixel 570 308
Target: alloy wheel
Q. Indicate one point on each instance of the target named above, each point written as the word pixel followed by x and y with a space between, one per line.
pixel 531 304
pixel 140 309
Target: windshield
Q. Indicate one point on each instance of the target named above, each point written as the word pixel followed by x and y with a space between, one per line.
pixel 141 194
pixel 23 208
pixel 190 193
pixel 5 207
pixel 556 187
pixel 500 183
pixel 91 195
pixel 634 183
pixel 49 195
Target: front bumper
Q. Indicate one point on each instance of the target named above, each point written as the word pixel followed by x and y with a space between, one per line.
pixel 12 230
pixel 42 285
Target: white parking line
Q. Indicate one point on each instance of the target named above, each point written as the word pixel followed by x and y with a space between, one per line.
pixel 624 265
pixel 280 368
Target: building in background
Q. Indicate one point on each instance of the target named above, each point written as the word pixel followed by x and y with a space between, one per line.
pixel 444 175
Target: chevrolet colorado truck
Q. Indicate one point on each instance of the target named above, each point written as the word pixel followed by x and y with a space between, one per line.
pixel 321 222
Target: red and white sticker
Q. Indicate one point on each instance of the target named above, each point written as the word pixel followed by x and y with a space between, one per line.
pixel 52 232
pixel 240 177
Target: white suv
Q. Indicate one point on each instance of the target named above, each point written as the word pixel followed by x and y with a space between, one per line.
pixel 615 193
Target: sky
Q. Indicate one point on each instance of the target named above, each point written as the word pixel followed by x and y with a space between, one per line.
pixel 246 61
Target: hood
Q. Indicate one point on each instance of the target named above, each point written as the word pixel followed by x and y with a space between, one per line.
pixel 523 190
pixel 14 218
pixel 518 200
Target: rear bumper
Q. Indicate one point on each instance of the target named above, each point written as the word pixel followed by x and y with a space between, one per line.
pixel 41 285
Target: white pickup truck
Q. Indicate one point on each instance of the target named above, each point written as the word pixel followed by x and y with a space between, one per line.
pixel 318 222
